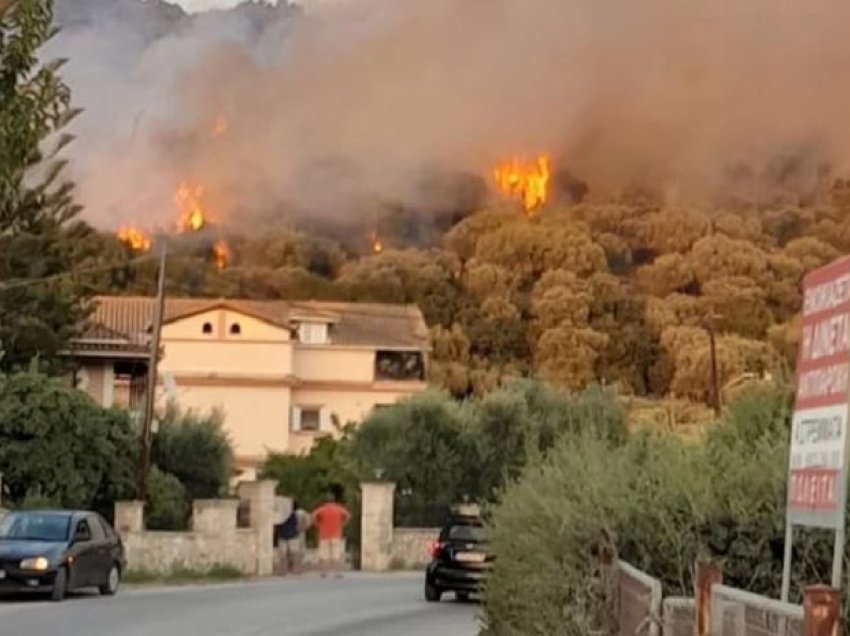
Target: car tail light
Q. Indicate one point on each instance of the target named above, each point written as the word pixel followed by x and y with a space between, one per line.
pixel 436 548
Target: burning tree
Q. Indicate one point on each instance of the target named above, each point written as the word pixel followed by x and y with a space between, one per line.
pixel 36 206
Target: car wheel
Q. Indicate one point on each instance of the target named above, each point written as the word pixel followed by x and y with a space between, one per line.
pixel 113 580
pixel 432 592
pixel 60 585
pixel 463 597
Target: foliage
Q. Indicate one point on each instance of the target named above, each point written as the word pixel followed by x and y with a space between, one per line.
pixel 309 478
pixel 167 504
pixel 663 503
pixel 36 206
pixel 193 448
pixel 57 444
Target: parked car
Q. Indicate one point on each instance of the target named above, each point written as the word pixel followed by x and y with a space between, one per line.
pixel 460 558
pixel 59 550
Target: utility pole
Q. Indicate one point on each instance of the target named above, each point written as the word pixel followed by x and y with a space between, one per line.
pixel 715 379
pixel 153 363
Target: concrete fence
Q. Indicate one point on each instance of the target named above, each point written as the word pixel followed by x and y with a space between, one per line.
pixel 214 538
pixel 635 602
pixel 382 546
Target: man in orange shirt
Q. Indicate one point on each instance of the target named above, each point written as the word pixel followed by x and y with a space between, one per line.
pixel 330 518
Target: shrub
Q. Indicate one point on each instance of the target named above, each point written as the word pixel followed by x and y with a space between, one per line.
pixel 167 504
pixel 57 444
pixel 195 449
pixel 664 503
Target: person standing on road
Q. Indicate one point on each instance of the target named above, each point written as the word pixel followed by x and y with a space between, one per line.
pixel 290 538
pixel 330 519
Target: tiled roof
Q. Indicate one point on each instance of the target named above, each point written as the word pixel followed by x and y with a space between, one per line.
pixel 129 319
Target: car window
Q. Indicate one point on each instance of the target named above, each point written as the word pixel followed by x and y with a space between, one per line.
pixel 35 526
pixel 97 533
pixel 107 529
pixel 83 528
pixel 467 532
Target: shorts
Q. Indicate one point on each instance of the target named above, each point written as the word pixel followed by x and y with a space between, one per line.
pixel 332 550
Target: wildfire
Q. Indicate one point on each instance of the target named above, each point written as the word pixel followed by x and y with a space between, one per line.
pixel 526 181
pixel 220 126
pixel 188 200
pixel 377 244
pixel 221 254
pixel 135 239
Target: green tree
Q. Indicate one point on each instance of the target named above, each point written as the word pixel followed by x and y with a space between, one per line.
pixel 193 448
pixel 57 443
pixel 36 204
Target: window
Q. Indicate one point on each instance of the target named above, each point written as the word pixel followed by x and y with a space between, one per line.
pixel 83 532
pixel 235 329
pixel 207 328
pixel 97 533
pixel 313 333
pixel 399 365
pixel 108 532
pixel 310 419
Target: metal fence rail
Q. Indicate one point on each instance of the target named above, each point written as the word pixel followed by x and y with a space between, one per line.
pixel 639 605
pixel 738 613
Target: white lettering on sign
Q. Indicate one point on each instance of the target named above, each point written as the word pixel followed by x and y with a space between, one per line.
pixel 823 381
pixel 826 338
pixel 828 295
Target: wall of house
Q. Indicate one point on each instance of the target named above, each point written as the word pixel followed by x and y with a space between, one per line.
pixel 90 378
pixel 328 363
pixel 256 418
pixel 259 350
pixel 351 404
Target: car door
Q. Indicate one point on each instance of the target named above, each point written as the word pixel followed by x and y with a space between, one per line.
pixel 101 547
pixel 84 553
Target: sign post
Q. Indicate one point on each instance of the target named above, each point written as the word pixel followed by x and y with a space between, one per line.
pixel 817 463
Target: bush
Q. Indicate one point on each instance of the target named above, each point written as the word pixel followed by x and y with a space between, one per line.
pixel 167 504
pixel 663 503
pixel 57 445
pixel 194 449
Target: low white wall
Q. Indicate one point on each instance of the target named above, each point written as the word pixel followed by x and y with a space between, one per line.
pixel 411 547
pixel 162 552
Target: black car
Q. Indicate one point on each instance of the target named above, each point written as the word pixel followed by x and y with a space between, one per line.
pixel 460 557
pixel 57 550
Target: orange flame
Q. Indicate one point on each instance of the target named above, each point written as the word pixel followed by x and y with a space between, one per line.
pixel 135 239
pixel 221 254
pixel 377 244
pixel 188 200
pixel 528 182
pixel 220 127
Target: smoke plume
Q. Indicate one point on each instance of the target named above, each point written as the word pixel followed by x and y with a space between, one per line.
pixel 342 105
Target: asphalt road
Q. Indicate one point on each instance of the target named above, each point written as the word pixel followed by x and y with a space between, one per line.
pixel 356 605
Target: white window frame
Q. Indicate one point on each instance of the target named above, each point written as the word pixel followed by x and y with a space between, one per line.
pixel 325 421
pixel 313 333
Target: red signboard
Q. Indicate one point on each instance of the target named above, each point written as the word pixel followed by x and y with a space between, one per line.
pixel 817 465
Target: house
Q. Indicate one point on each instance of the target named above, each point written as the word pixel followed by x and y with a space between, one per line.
pixel 282 373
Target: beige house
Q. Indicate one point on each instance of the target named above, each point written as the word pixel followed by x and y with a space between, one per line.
pixel 282 373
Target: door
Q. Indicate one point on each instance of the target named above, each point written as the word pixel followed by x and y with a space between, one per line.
pixel 102 559
pixel 84 551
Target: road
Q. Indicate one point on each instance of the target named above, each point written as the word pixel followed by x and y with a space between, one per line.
pixel 356 605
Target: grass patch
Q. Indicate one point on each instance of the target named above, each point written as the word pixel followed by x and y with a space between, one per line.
pixel 180 574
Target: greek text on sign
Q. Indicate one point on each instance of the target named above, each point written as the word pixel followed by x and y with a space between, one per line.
pixel 818 455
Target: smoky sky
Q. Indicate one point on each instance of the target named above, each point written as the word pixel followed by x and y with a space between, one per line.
pixel 342 106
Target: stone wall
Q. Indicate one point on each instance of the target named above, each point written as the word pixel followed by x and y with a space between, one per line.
pixel 411 547
pixel 214 538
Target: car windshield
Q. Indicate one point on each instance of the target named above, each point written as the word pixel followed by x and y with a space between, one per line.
pixel 467 532
pixel 35 526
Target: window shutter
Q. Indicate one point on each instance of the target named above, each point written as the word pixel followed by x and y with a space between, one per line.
pixel 325 423
pixel 296 418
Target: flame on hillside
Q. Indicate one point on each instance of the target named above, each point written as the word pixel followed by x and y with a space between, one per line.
pixel 525 181
pixel 221 254
pixel 135 239
pixel 377 243
pixel 220 126
pixel 188 200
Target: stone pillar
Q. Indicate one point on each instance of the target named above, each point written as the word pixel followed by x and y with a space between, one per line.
pixel 282 508
pixel 707 575
pixel 261 517
pixel 376 529
pixel 129 517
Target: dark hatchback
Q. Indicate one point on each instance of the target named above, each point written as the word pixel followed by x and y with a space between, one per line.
pixel 460 558
pixel 57 551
